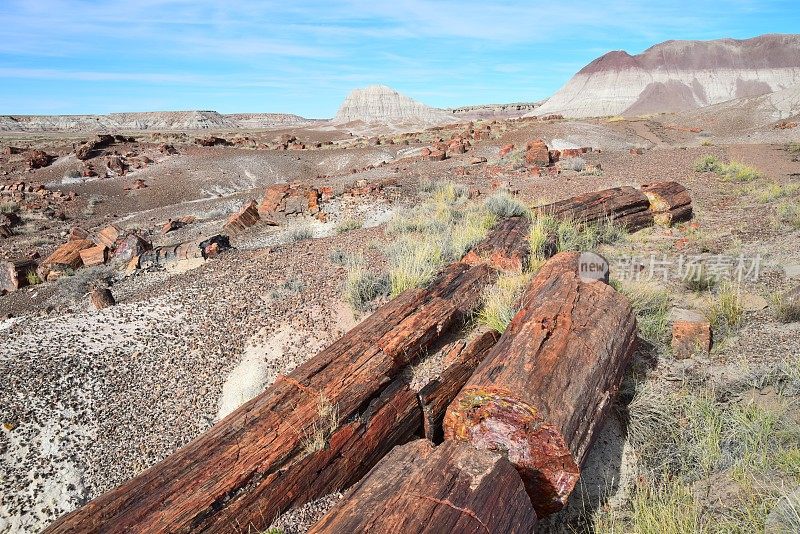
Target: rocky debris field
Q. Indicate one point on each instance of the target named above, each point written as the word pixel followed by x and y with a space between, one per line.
pixel 92 397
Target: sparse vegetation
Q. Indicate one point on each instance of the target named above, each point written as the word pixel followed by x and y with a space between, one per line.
pixel 699 279
pixel 501 300
pixel 725 310
pixel 362 286
pixel 503 204
pixel 436 232
pixel 651 304
pixel 9 206
pixel 325 425
pixel 348 225
pixel 74 285
pixel 691 442
pixel 573 164
pixel 32 278
pixel 729 172
pixel 776 191
pixel 91 205
pixel 707 164
pixel 784 309
pixel 789 213
pixel 793 148
pixel 300 233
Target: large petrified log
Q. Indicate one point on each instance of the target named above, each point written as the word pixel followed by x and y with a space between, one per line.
pixel 222 466
pixel 669 202
pixel 545 388
pixel 624 205
pixel 67 256
pixel 505 247
pixel 421 488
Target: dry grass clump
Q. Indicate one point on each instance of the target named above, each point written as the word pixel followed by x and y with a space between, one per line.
pixel 9 206
pixel 570 235
pixel 729 172
pixel 503 204
pixel 725 310
pixel 300 233
pixel 776 191
pixel 362 286
pixel 347 225
pixel 326 424
pixel 651 304
pixel 438 231
pixel 501 301
pixel 700 279
pixel 785 309
pixel 789 213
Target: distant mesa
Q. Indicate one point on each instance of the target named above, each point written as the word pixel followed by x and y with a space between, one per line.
pixel 678 76
pixel 382 105
pixel 151 120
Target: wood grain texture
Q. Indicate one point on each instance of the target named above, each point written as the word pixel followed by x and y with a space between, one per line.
pixel 419 488
pixel 670 202
pixel 546 386
pixel 505 246
pixel 625 205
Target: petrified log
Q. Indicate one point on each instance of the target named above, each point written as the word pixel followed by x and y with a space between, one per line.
pixel 96 255
pixel 102 298
pixel 14 273
pixel 243 219
pixel 67 256
pixel 421 488
pixel 222 466
pixel 670 202
pixel 457 366
pixel 624 205
pixel 108 236
pixel 505 246
pixel 545 388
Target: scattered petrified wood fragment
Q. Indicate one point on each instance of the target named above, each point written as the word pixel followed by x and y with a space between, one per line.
pixel 223 466
pixel 108 236
pixel 67 256
pixel 243 219
pixel 457 366
pixel 421 488
pixel 545 388
pixel 96 255
pixel 505 247
pixel 14 273
pixel 625 205
pixel 670 202
pixel 691 334
pixel 102 298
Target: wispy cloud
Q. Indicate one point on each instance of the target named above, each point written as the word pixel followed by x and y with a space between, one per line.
pixel 304 56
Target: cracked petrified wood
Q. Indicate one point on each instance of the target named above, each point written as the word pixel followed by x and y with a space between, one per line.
pixel 222 467
pixel 505 246
pixel 625 205
pixel 457 366
pixel 544 389
pixel 670 202
pixel 421 488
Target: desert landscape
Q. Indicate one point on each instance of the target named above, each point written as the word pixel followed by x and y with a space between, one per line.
pixel 383 321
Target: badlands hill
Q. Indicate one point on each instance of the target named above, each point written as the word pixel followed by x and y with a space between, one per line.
pixel 379 104
pixel 679 76
pixel 155 120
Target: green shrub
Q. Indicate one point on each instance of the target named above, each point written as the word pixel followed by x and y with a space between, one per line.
pixel 775 191
pixel 413 262
pixel 737 172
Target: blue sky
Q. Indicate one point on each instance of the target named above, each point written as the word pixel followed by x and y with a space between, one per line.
pixel 303 57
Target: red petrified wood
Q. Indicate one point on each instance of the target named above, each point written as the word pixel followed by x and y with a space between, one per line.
pixel 421 488
pixel 505 247
pixel 625 205
pixel 545 388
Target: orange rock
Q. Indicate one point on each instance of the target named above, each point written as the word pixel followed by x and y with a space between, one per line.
pixel 108 236
pixel 67 256
pixel 274 200
pixel 691 336
pixel 505 149
pixel 537 153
